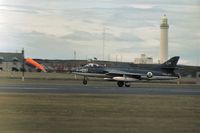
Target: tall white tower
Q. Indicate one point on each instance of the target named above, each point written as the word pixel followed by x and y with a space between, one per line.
pixel 164 39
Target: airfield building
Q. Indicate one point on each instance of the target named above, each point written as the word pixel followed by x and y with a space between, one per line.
pixel 11 61
pixel 143 60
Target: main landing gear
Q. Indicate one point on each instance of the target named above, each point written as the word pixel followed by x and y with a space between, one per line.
pixel 121 84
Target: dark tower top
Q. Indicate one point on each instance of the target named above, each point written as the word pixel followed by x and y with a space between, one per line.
pixel 164 23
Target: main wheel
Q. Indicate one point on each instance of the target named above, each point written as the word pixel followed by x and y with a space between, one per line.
pixel 127 84
pixel 84 81
pixel 120 83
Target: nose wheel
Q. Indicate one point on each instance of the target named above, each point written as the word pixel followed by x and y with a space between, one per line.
pixel 85 81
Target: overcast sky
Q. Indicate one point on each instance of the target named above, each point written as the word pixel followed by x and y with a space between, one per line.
pixel 54 29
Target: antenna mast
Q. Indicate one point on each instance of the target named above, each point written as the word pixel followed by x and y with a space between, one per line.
pixel 104 30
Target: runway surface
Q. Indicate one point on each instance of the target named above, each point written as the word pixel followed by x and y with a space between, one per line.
pixel 98 89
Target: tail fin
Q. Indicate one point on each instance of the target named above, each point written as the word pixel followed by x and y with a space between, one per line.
pixel 170 65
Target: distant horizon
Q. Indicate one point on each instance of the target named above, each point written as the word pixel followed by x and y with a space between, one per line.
pixel 55 29
pixel 95 60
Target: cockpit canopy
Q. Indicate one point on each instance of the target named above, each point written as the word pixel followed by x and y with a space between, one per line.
pixel 92 65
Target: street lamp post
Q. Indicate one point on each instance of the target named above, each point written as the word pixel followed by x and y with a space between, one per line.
pixel 23 68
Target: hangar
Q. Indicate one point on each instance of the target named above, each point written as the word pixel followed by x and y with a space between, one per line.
pixel 11 61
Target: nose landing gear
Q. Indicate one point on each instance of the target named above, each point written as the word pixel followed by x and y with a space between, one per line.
pixel 85 81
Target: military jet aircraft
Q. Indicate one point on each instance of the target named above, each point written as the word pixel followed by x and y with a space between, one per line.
pixel 125 75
